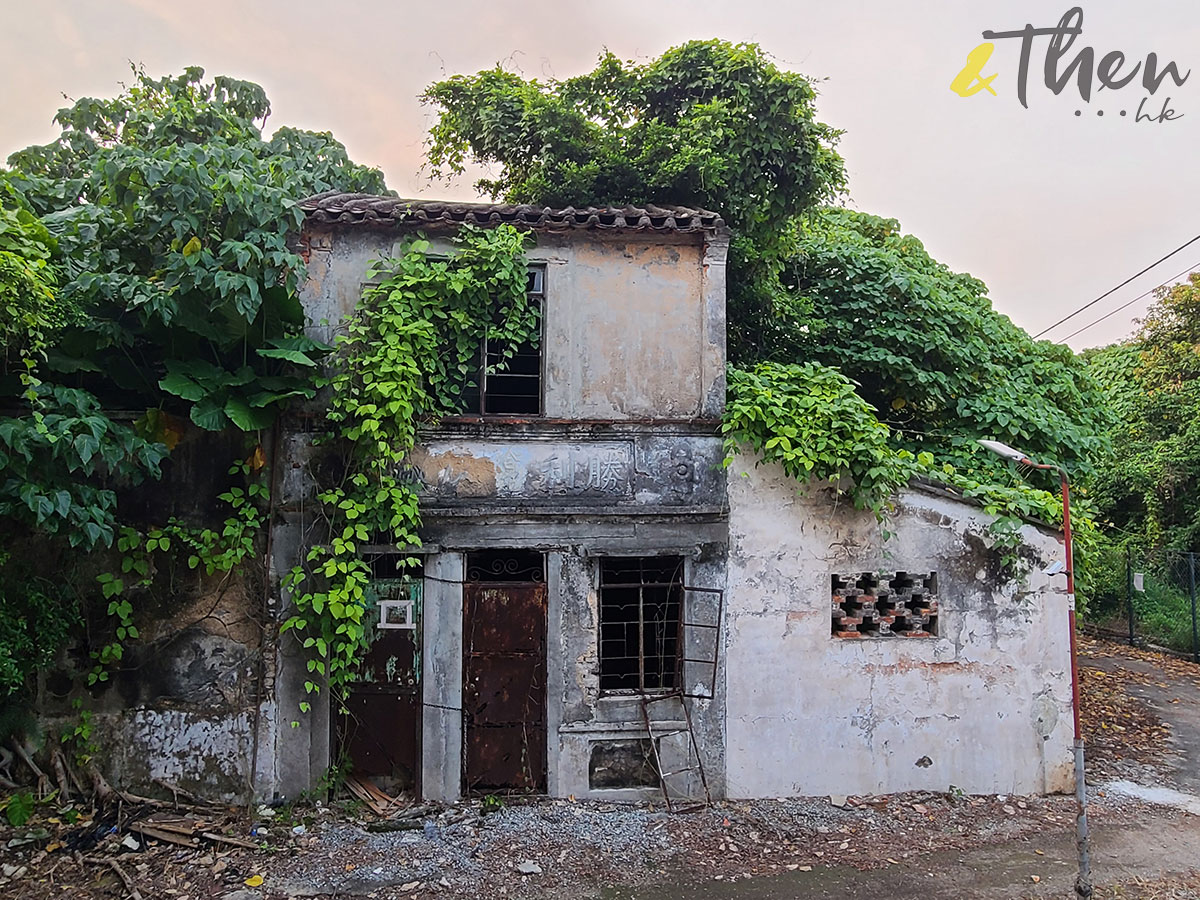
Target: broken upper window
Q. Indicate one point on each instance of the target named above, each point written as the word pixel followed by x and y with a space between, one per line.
pixel 512 388
pixel 641 602
pixel 885 604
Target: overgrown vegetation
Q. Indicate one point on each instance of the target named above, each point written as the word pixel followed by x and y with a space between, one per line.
pixel 1149 488
pixel 1147 491
pixel 144 268
pixel 810 419
pixel 832 313
pixel 411 350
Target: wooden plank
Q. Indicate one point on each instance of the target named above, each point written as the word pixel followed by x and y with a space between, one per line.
pixel 167 836
pixel 363 793
pixel 177 824
pixel 226 839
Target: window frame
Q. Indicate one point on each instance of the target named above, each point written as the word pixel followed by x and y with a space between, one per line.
pixel 537 295
pixel 677 584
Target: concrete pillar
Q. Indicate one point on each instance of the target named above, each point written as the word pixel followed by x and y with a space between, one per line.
pixel 441 678
pixel 301 738
pixel 556 673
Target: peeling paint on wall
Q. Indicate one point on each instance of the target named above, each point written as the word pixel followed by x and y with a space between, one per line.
pixel 983 705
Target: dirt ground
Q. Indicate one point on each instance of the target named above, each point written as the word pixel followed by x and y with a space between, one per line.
pixel 1142 717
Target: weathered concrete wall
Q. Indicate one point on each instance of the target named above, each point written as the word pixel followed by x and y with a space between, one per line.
pixel 634 351
pixel 584 717
pixel 578 715
pixel 295 747
pixel 442 678
pixel 182 706
pixel 634 323
pixel 984 705
pixel 614 469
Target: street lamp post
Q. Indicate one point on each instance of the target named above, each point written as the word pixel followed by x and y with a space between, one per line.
pixel 1083 881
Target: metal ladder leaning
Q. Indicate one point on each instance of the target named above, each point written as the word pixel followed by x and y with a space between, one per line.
pixel 678 799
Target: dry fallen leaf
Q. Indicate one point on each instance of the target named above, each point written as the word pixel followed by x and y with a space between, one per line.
pixel 253 881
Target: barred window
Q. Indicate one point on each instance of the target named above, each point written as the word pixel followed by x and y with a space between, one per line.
pixel 641 601
pixel 512 388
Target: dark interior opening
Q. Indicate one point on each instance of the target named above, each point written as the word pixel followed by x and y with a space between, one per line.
pixel 506 565
pixel 641 602
pixel 510 386
pixel 622 764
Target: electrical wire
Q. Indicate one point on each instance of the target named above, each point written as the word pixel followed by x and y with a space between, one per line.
pixel 1117 288
pixel 1130 303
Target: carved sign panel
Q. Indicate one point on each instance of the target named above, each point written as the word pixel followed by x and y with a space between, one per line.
pixel 530 470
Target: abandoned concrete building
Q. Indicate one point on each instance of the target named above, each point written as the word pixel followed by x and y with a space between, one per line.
pixel 605 609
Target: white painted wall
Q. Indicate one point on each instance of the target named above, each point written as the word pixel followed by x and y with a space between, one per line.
pixel 988 701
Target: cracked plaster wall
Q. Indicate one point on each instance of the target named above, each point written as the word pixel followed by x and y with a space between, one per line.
pixel 635 323
pixel 984 706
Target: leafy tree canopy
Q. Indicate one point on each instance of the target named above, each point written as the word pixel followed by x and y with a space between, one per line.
pixel 929 352
pixel 144 267
pixel 718 125
pixel 171 212
pixel 1149 488
pixel 707 124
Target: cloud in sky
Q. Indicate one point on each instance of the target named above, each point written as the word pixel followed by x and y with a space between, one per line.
pixel 1048 208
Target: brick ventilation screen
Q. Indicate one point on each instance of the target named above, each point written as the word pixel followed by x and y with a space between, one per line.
pixel 884 605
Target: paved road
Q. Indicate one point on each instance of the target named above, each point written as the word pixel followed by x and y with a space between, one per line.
pixel 1166 846
pixel 1183 717
pixel 1002 871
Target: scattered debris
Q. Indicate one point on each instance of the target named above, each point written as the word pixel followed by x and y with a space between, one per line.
pixel 376 800
pixel 395 847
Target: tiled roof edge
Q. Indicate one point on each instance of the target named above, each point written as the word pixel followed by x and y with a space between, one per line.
pixel 368 209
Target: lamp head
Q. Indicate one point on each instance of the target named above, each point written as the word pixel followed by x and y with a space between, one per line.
pixel 1004 451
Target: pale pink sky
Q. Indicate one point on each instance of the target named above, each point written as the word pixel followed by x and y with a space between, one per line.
pixel 1048 208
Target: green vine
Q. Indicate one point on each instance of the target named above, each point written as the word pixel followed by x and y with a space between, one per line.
pixel 410 352
pixel 77 736
pixel 810 419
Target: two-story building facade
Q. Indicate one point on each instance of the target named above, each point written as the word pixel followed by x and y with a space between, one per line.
pixel 604 606
pixel 575 522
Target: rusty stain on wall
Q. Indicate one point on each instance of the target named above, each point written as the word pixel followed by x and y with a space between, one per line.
pixel 457 473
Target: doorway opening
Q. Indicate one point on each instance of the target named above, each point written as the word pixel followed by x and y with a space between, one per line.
pixel 504 672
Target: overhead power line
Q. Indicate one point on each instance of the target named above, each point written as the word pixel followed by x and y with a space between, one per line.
pixel 1130 303
pixel 1117 288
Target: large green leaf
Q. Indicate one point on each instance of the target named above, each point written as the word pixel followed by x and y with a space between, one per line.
pixel 182 386
pixel 292 356
pixel 246 417
pixel 209 414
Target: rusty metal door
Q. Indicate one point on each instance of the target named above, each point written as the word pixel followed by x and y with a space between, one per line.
pixel 380 722
pixel 504 687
